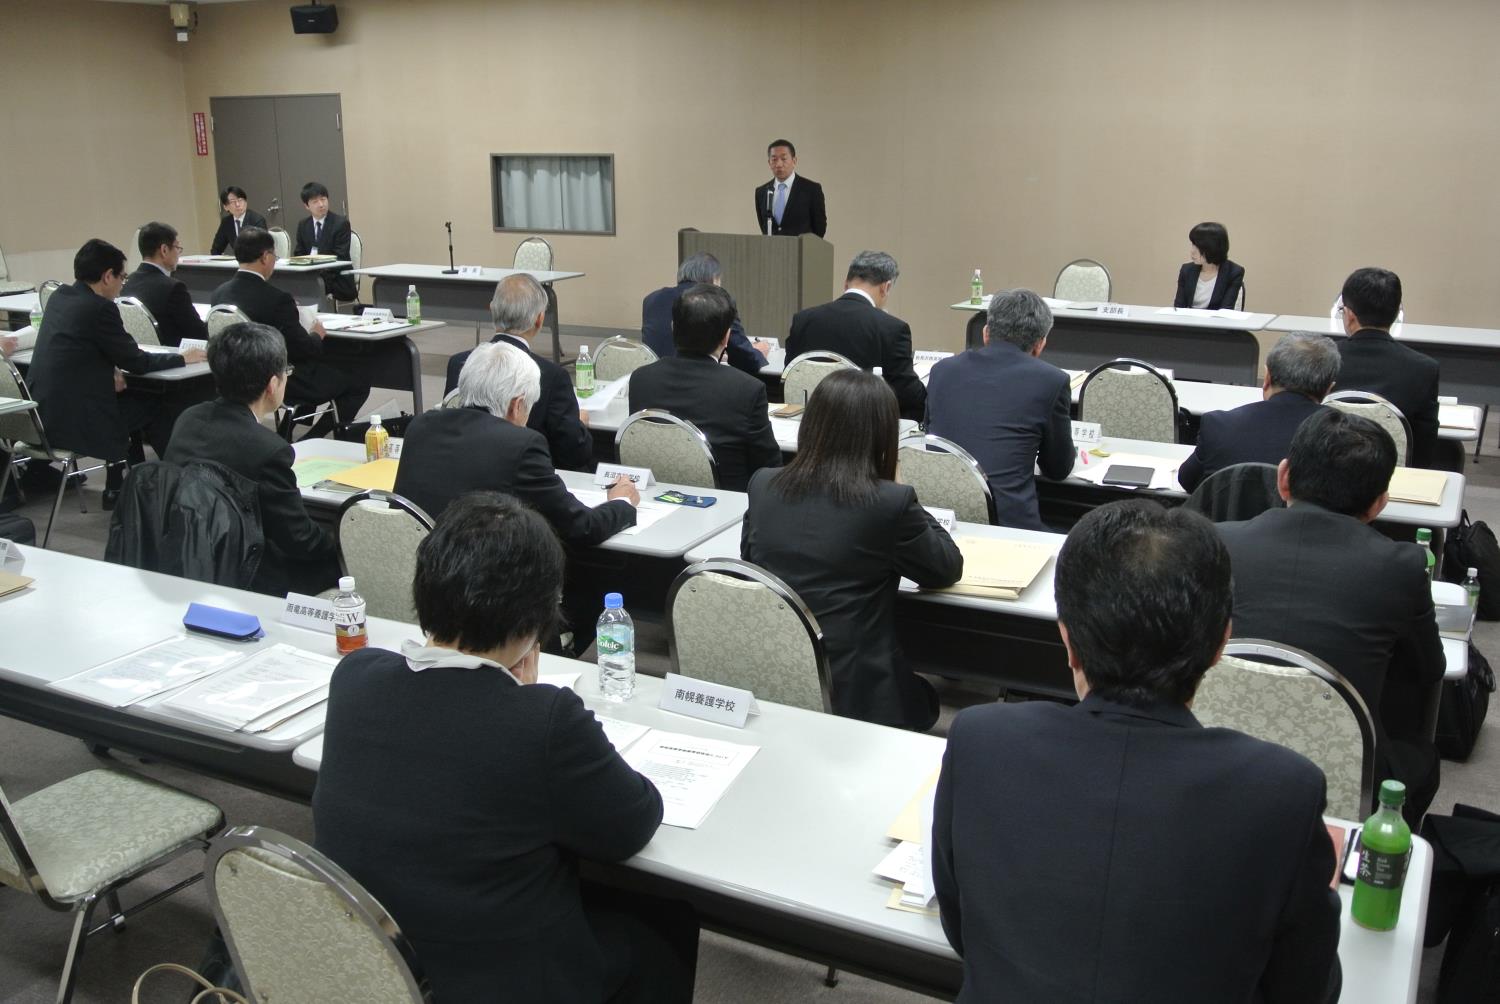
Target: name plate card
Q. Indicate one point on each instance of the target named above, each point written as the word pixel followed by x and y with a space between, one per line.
pixel 378 314
pixel 712 702
pixel 188 344
pixel 1087 432
pixel 946 518
pixel 308 612
pixel 1114 310
pixel 11 559
pixel 927 356
pixel 606 474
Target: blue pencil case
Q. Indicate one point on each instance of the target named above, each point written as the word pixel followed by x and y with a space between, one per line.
pixel 222 623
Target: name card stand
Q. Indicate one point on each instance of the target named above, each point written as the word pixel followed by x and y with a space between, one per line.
pixel 378 314
pixel 188 344
pixel 11 558
pixel 946 518
pixel 1114 310
pixel 309 612
pixel 606 474
pixel 1087 432
pixel 711 702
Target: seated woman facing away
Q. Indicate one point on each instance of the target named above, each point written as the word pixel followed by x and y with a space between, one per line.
pixel 1209 280
pixel 838 529
pixel 462 794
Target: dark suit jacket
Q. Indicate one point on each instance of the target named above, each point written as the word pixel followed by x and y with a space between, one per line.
pixel 264 303
pixel 846 563
pixel 1107 853
pixel 1373 360
pixel 1226 287
pixel 1356 599
pixel 726 405
pixel 854 327
pixel 464 801
pixel 656 330
pixel 555 414
pixel 297 549
pixel 805 212
pixel 1013 412
pixel 335 241
pixel 169 301
pixel 72 372
pixel 225 235
pixel 1258 433
pixel 450 451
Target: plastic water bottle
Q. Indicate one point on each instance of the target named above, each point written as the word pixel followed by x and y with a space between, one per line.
pixel 1384 848
pixel 1471 586
pixel 614 638
pixel 36 319
pixel 583 373
pixel 1424 538
pixel 349 618
pixel 976 289
pixel 377 440
pixel 413 305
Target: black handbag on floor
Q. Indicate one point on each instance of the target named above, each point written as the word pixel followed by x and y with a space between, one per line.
pixel 1462 708
pixel 1465 903
pixel 17 528
pixel 1473 545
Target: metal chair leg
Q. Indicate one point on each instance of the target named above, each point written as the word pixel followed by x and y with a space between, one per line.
pixel 70 472
pixel 75 949
pixel 832 977
pixel 1484 417
pixel 116 915
pixel 62 486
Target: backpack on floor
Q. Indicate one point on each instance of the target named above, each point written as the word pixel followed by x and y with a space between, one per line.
pixel 1462 708
pixel 17 528
pixel 1465 903
pixel 1473 545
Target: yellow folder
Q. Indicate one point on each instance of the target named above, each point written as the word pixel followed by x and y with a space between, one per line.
pixel 999 569
pixel 380 474
pixel 1418 486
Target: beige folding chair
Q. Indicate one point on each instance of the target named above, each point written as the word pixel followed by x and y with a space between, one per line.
pixel 45 290
pixel 76 843
pixel 377 534
pixel 673 448
pixel 356 258
pixel 283 242
pixel 1368 404
pixel 620 356
pixel 790 665
pixel 535 254
pixel 804 373
pixel 947 476
pixel 138 321
pixel 9 286
pixel 223 316
pixel 25 441
pixel 1286 696
pixel 450 399
pixel 1083 280
pixel 1129 399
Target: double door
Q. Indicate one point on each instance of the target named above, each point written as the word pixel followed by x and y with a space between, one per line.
pixel 272 146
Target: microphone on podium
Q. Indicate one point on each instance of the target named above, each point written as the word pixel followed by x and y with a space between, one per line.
pixel 770 220
pixel 451 269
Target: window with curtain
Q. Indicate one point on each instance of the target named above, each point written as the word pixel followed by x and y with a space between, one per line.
pixel 554 193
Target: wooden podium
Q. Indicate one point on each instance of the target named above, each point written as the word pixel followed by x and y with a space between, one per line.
pixel 771 277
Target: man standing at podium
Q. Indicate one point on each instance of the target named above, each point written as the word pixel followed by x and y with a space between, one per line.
pixel 789 204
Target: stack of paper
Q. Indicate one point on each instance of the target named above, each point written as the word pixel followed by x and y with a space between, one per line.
pixel 604 395
pixel 1098 462
pixel 999 569
pixel 1076 379
pixel 259 693
pixel 621 734
pixel 1457 416
pixel 647 513
pixel 1418 486
pixel 155 669
pixel 378 326
pixel 691 773
pixel 910 863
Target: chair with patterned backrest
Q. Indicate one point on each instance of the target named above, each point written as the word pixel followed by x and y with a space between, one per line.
pixel 1239 301
pixel 1236 492
pixel 223 316
pixel 45 290
pixel 356 258
pixel 1368 404
pixel 1129 399
pixel 1286 696
pixel 300 928
pixel 1083 280
pixel 620 356
pixel 673 448
pixel 535 254
pixel 450 399
pixel 377 534
pixel 283 242
pixel 74 844
pixel 138 321
pixel 974 329
pixel 947 476
pixel 24 441
pixel 803 374
pixel 790 664
pixel 9 286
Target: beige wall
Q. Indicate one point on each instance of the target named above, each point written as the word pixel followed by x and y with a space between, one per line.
pixel 1012 135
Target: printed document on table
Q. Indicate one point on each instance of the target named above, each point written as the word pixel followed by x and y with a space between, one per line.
pixel 604 395
pixel 647 513
pixel 172 662
pixel 691 773
pixel 621 734
pixel 1163 476
pixel 280 678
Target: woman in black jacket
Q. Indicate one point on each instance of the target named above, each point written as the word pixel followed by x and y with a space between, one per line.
pixel 1209 280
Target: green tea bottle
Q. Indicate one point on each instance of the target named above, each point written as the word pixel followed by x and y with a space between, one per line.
pixel 1385 848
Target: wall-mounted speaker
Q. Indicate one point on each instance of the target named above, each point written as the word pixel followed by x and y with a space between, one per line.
pixel 315 18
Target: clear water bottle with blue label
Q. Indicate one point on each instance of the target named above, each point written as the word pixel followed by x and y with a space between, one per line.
pixel 614 640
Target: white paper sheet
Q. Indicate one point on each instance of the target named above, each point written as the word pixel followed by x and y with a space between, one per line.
pixel 1164 470
pixel 918 891
pixel 691 773
pixel 567 681
pixel 604 395
pixel 171 662
pixel 902 863
pixel 647 513
pixel 1187 311
pixel 621 734
pixel 280 678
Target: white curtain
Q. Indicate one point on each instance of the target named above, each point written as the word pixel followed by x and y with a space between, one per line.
pixel 557 193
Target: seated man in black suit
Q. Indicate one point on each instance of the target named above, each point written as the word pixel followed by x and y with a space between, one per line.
pixel 167 298
pixel 463 793
pixel 656 316
pixel 75 372
pixel 250 373
pixel 727 406
pixel 1007 407
pixel 1117 849
pixel 1374 361
pixel 237 216
pixel 1300 371
pixel 787 204
pixel 519 309
pixel 857 327
pixel 1317 577
pixel 313 381
pixel 323 231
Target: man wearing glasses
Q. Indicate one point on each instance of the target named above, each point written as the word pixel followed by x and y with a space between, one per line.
pixel 237 216
pixel 167 298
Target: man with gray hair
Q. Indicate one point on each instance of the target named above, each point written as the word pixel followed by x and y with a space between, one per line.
pixel 1300 371
pixel 1007 407
pixel 519 309
pixel 857 327
pixel 656 316
pixel 484 444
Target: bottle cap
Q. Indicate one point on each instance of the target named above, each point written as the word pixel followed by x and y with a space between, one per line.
pixel 346 583
pixel 374 420
pixel 1473 573
pixel 412 288
pixel 613 601
pixel 1392 793
pixel 583 348
pixel 1424 534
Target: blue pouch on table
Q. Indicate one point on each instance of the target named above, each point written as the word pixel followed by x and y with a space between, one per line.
pixel 222 623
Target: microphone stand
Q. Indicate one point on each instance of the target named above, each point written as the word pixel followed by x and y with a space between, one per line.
pixel 450 270
pixel 770 220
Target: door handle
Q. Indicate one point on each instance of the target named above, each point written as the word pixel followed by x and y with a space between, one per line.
pixel 274 207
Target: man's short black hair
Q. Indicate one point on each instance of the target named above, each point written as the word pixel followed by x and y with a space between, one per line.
pixel 1145 594
pixel 1339 461
pixel 312 190
pixel 243 358
pixel 1374 294
pixel 1212 241
pixel 700 318
pixel 95 258
pixel 781 142
pixel 489 573
pixel 252 243
pixel 234 190
pixel 153 236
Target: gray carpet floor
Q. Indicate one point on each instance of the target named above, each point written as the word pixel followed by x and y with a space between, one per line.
pixel 32 940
